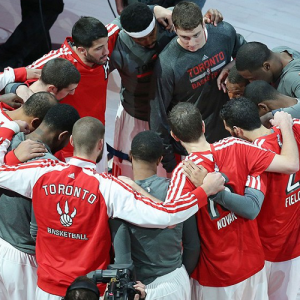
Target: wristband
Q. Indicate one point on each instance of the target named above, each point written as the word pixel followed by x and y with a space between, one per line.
pixel 276 110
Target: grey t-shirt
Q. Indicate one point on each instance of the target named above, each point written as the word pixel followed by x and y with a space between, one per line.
pixel 294 110
pixel 184 76
pixel 135 65
pixel 289 80
pixel 154 252
pixel 15 212
pixel 294 53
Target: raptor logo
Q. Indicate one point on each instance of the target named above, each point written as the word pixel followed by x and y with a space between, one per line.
pixel 66 219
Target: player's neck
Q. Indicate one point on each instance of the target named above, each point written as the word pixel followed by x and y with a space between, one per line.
pixel 256 133
pixel 200 146
pixel 284 101
pixel 143 170
pixel 37 87
pixel 17 114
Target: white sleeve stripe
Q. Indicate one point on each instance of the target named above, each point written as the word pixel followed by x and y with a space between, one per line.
pixel 111 32
pixel 49 56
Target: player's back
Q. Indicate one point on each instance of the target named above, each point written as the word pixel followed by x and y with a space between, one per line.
pixel 73 234
pixel 231 250
pixel 278 220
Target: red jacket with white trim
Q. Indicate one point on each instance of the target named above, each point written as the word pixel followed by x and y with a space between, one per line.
pixel 10 75
pixel 231 250
pixel 72 204
pixel 278 220
pixel 90 95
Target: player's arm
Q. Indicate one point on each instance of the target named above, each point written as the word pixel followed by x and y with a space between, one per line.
pixel 163 85
pixel 288 160
pixel 295 84
pixel 247 206
pixel 33 224
pixel 191 244
pixel 124 203
pixel 21 178
pixel 11 75
pixel 121 240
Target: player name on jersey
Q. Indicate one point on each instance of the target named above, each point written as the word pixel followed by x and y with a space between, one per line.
pixel 227 220
pixel 292 199
pixel 69 190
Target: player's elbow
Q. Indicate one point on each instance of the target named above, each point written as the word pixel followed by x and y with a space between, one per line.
pixel 292 168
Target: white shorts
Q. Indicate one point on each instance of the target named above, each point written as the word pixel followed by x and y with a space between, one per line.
pixel 42 295
pixel 252 288
pixel 18 278
pixel 172 286
pixel 283 279
pixel 126 128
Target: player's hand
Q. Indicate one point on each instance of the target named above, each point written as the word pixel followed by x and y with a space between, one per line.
pixel 213 183
pixel 213 16
pixel 164 17
pixel 281 119
pixel 194 172
pixel 24 127
pixel 12 100
pixel 29 149
pixel 24 92
pixel 141 288
pixel 33 73
pixel 119 6
pixel 221 80
pixel 266 119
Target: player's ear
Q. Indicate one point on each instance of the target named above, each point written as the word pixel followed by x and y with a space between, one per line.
pixel 159 160
pixel 203 127
pixel 71 140
pixel 63 135
pixel 266 66
pixel 174 136
pixel 130 156
pixel 82 50
pixel 263 108
pixel 35 123
pixel 52 89
pixel 238 131
pixel 100 144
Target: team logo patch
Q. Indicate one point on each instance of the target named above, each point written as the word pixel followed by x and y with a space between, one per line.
pixel 66 219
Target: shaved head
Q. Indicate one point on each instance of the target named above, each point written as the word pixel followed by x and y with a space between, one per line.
pixel 86 134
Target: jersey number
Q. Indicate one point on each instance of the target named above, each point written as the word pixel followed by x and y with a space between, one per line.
pixel 292 185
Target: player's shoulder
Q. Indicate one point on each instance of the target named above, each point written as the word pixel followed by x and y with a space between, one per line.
pixel 222 28
pixel 229 143
pixel 113 29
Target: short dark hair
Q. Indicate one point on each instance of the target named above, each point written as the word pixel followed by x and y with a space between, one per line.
pixel 87 30
pixel 38 104
pixel 235 78
pixel 186 122
pixel 61 117
pixel 251 56
pixel 86 133
pixel 187 15
pixel 259 91
pixel 147 146
pixel 60 72
pixel 136 17
pixel 82 288
pixel 241 112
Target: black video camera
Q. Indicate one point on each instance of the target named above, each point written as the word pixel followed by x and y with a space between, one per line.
pixel 119 279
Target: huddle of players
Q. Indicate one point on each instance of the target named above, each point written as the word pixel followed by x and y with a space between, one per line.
pixel 220 273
